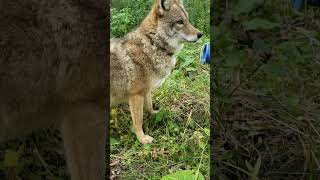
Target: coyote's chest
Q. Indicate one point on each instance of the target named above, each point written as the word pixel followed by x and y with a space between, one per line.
pixel 159 79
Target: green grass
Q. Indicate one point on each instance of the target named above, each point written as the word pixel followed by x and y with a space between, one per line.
pixel 180 130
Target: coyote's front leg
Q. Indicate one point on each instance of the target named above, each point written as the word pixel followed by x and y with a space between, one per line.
pixel 136 108
pixel 148 103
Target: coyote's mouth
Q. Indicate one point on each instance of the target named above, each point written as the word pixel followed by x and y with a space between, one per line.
pixel 193 38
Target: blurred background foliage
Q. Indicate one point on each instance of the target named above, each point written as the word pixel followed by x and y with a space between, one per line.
pixel 266 90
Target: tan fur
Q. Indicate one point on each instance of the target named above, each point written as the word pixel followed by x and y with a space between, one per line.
pixel 142 60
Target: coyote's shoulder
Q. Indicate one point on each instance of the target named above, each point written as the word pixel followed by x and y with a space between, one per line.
pixel 143 59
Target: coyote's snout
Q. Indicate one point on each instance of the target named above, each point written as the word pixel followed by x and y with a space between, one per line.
pixel 173 21
pixel 143 59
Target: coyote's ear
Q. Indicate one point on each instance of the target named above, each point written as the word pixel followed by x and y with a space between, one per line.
pixel 164 5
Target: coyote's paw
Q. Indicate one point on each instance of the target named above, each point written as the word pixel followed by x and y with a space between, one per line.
pixel 146 139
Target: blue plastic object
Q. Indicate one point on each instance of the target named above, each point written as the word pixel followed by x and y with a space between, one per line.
pixel 298 4
pixel 205 54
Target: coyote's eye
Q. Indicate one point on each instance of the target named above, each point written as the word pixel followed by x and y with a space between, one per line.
pixel 180 22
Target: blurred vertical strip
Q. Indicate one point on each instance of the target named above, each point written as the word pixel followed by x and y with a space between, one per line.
pixel 108 88
pixel 212 81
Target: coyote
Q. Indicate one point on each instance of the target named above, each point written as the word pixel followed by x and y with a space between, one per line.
pixel 53 71
pixel 143 59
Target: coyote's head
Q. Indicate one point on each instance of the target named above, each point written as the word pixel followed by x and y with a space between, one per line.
pixel 173 21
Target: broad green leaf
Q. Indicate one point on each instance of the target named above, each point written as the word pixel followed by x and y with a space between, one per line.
pixel 147 146
pixel 261 46
pixel 113 141
pixel 187 61
pixel 11 158
pixel 160 115
pixel 184 175
pixel 234 58
pixel 258 23
pixel 246 6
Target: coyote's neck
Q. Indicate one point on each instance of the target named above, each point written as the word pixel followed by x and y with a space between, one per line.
pixel 157 37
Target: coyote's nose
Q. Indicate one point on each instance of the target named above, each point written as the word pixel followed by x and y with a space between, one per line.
pixel 199 35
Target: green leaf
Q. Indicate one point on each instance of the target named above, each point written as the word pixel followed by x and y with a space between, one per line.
pixel 191 69
pixel 207 131
pixel 147 146
pixel 293 101
pixel 246 6
pixel 249 166
pixel 184 175
pixel 260 45
pixel 202 144
pixel 146 149
pixel 234 58
pixel 187 61
pixel 113 141
pixel 160 115
pixel 258 23
pixel 290 51
pixel 256 168
pixel 275 69
pixel 11 158
pixel 114 113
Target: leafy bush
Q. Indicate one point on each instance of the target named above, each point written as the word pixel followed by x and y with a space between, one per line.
pixel 121 21
pixel 199 14
pixel 126 15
